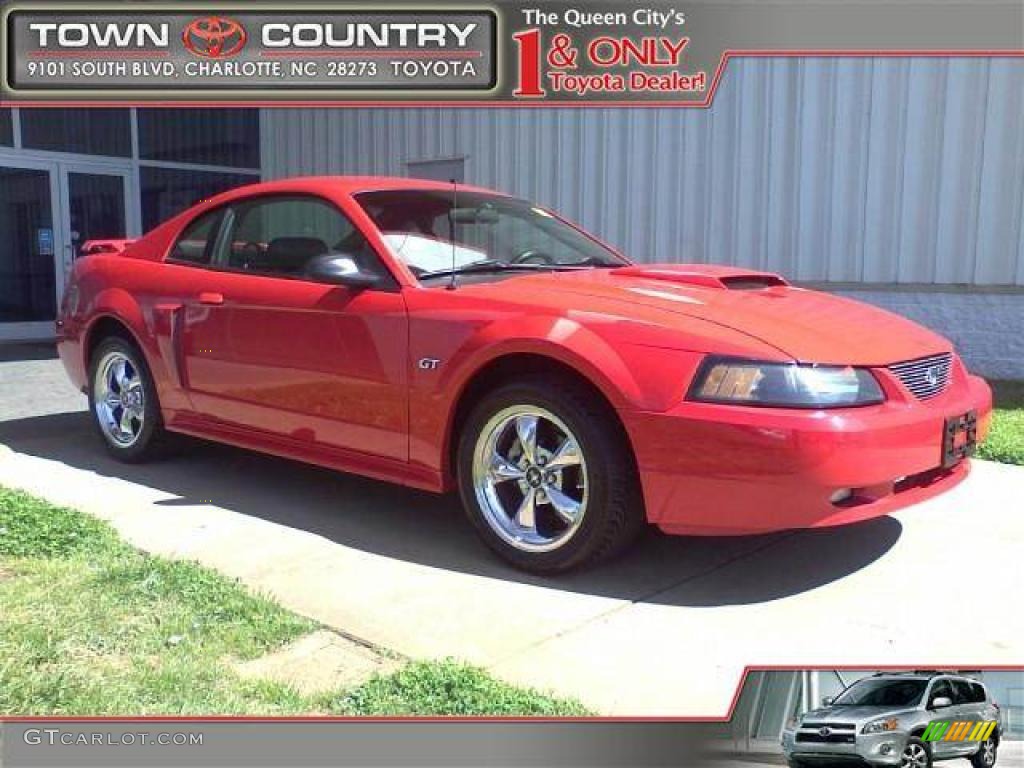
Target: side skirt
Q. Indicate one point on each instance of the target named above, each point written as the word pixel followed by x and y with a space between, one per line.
pixel 388 470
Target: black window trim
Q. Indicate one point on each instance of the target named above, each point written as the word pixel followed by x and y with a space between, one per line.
pixel 389 284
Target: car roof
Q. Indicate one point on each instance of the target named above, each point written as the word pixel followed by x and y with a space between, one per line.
pixel 350 185
pixel 921 676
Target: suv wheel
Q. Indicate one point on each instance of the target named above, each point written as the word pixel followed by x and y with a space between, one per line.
pixel 985 757
pixel 123 401
pixel 546 479
pixel 916 754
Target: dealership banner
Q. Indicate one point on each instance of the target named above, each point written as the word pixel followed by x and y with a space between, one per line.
pixel 249 742
pixel 521 53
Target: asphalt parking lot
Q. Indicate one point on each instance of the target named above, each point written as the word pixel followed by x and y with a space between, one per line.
pixel 666 631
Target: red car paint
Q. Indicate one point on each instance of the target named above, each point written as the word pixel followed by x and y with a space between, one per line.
pixel 329 375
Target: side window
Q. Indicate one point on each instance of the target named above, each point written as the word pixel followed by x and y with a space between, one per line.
pixel 941 689
pixel 195 244
pixel 962 692
pixel 280 235
pixel 977 693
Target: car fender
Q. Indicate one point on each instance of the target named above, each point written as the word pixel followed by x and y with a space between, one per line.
pixel 436 394
pixel 118 304
pixel 561 339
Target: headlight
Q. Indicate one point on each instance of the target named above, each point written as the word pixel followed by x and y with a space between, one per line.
pixel 793 723
pixel 784 385
pixel 879 726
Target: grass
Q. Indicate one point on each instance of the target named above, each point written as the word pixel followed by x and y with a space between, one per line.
pixel 89 625
pixel 1005 442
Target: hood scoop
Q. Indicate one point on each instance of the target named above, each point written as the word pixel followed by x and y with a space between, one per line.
pixel 704 275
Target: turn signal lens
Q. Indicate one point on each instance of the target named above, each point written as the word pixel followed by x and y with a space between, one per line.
pixel 749 382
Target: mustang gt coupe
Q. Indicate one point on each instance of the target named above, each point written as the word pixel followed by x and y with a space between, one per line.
pixel 443 336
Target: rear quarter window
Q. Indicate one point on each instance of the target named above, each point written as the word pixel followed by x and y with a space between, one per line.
pixel 194 245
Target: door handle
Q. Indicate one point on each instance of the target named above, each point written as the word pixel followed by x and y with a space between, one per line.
pixel 210 297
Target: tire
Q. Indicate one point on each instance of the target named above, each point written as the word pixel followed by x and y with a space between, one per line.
pixel 987 753
pixel 142 436
pixel 600 479
pixel 917 749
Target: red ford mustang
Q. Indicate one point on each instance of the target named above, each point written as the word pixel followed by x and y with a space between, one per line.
pixel 441 336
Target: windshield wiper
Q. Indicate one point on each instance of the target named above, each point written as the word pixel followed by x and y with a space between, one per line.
pixel 487 265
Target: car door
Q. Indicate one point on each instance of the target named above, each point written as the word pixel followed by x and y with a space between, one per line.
pixel 943 688
pixel 969 709
pixel 268 350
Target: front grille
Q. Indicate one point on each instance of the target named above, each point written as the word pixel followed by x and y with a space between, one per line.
pixel 833 726
pixel 833 738
pixel 926 377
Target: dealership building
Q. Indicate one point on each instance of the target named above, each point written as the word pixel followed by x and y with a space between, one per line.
pixel 897 181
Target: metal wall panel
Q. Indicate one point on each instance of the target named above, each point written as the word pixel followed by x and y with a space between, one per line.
pixel 838 170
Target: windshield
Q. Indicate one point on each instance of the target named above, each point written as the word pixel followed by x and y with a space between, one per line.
pixel 883 693
pixel 489 230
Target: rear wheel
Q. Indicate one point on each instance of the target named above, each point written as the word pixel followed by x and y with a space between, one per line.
pixel 546 477
pixel 123 401
pixel 985 757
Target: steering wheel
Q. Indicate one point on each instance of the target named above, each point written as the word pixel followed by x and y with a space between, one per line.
pixel 533 256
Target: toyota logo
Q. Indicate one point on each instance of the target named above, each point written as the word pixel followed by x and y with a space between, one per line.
pixel 932 376
pixel 214 37
pixel 825 732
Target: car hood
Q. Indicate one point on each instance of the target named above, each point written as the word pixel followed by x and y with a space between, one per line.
pixel 809 326
pixel 852 714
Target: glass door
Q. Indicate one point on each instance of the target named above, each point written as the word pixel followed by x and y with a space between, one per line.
pixel 96 207
pixel 29 247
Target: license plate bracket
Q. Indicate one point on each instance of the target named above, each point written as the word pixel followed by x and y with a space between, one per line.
pixel 959 438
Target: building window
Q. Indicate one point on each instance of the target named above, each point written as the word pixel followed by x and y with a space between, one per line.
pixel 169 191
pixel 6 128
pixel 228 137
pixel 86 131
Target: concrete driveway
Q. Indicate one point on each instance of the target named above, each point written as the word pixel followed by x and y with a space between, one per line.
pixel 666 631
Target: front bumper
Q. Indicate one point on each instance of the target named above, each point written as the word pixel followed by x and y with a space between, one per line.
pixel 874 749
pixel 709 469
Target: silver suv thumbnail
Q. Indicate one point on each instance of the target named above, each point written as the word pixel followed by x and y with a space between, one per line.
pixel 905 719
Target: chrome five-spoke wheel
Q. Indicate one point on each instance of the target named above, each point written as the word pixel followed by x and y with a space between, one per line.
pixel 914 756
pixel 546 474
pixel 530 478
pixel 119 399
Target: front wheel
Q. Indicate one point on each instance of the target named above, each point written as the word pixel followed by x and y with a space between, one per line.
pixel 985 757
pixel 916 754
pixel 547 477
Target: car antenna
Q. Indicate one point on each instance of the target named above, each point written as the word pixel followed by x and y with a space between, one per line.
pixel 453 282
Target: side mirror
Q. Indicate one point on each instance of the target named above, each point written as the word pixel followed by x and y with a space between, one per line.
pixel 941 702
pixel 828 701
pixel 339 269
